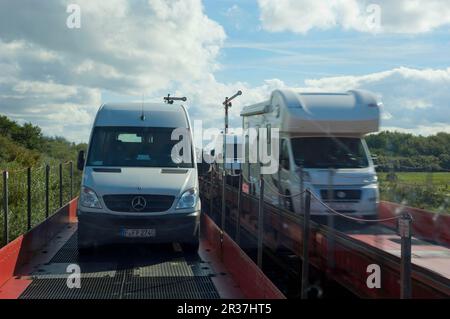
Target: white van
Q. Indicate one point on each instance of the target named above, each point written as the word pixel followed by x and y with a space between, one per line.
pixel 322 133
pixel 132 189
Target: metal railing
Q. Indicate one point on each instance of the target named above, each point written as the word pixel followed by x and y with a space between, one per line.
pixel 306 197
pixel 33 190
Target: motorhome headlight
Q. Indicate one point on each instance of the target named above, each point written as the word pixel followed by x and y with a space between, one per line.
pixel 371 179
pixel 89 199
pixel 188 199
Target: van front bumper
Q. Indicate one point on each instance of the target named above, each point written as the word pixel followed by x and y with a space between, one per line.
pixel 102 228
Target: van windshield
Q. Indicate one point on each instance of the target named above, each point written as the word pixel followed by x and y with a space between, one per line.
pixel 329 152
pixel 134 147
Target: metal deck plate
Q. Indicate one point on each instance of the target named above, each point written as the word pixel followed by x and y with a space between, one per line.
pixel 127 272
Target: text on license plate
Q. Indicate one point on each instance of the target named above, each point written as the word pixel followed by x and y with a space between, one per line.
pixel 138 233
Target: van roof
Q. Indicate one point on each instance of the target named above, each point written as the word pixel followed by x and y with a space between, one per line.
pixel 130 114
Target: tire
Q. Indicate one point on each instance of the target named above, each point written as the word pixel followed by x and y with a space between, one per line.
pixel 371 217
pixel 85 245
pixel 191 247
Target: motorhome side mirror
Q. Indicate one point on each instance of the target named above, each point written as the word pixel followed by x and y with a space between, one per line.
pixel 80 161
pixel 202 168
pixel 375 159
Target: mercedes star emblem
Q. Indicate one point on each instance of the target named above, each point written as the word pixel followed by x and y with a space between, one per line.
pixel 341 194
pixel 139 203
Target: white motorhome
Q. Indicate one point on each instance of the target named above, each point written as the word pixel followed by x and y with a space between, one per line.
pixel 132 189
pixel 322 135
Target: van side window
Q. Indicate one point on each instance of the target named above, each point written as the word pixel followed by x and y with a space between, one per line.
pixel 284 155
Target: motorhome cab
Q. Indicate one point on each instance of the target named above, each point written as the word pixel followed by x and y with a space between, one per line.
pixel 132 189
pixel 322 133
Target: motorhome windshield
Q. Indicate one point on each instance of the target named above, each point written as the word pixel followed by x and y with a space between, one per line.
pixel 329 152
pixel 133 147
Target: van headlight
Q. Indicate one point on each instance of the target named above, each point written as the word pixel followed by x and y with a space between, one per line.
pixel 89 199
pixel 188 199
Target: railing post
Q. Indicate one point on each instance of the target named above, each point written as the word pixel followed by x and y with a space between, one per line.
pixel 404 228
pixel 60 185
pixel 5 207
pixel 29 198
pixel 302 189
pixel 260 221
pixel 224 175
pixel 211 192
pixel 71 180
pixel 306 232
pixel 330 220
pixel 238 217
pixel 47 190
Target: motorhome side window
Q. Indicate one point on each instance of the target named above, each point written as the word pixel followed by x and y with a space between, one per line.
pixel 133 147
pixel 284 155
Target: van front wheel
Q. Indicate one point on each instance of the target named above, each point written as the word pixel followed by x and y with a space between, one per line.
pixel 191 247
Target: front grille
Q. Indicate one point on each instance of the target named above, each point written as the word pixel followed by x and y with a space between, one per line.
pixel 342 195
pixel 124 203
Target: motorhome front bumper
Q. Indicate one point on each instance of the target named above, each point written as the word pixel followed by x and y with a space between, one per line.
pixel 101 228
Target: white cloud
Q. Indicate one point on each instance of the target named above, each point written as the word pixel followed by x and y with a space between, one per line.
pixel 399 16
pixel 124 47
pixel 414 100
pixel 55 77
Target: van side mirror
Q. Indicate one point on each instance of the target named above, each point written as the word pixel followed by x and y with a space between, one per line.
pixel 81 160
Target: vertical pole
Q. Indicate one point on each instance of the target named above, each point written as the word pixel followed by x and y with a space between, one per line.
pixel 5 207
pixel 29 198
pixel 405 275
pixel 224 175
pixel 330 221
pixel 302 189
pixel 224 160
pixel 306 231
pixel 260 221
pixel 238 217
pixel 47 190
pixel 60 185
pixel 211 191
pixel 71 180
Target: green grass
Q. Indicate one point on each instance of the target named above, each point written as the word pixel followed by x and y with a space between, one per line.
pixel 17 188
pixel 430 191
pixel 421 178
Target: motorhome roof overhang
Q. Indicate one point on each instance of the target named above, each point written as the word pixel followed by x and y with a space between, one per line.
pixel 353 112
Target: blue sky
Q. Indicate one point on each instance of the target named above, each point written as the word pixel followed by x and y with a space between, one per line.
pixel 254 54
pixel 57 77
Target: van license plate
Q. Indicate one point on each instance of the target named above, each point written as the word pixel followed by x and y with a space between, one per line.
pixel 138 233
pixel 342 206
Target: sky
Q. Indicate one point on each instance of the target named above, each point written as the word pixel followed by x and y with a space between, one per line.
pixel 57 77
